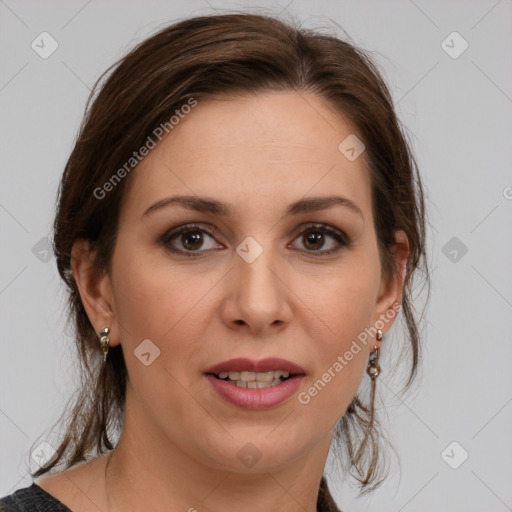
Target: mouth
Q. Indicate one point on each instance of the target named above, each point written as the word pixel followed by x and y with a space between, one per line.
pixel 254 384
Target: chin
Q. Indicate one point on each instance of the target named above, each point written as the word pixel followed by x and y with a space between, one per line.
pixel 257 451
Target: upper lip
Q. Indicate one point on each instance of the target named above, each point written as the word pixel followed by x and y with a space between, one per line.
pixel 242 364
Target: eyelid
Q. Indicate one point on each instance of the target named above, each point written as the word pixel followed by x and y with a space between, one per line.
pixel 306 226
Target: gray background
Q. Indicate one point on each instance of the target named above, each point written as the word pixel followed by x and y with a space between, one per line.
pixel 458 112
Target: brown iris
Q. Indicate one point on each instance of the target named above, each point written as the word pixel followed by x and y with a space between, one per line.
pixel 314 240
pixel 192 240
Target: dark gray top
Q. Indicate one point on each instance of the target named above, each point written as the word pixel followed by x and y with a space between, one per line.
pixel 36 499
pixel 31 499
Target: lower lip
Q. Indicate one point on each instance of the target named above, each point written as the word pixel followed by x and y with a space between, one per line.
pixel 256 398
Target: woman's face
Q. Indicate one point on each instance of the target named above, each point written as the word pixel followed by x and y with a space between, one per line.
pixel 255 278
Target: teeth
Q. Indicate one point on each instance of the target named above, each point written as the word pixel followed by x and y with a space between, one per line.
pixel 255 377
pixel 255 380
pixel 264 376
pixel 254 384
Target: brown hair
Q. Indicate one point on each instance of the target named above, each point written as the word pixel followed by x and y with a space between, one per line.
pixel 208 56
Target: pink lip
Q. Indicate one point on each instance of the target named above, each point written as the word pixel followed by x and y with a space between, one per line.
pixel 263 365
pixel 256 398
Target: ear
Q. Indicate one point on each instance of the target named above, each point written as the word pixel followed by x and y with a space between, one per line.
pixel 391 286
pixel 95 290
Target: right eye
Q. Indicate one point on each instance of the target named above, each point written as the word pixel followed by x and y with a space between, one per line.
pixel 189 240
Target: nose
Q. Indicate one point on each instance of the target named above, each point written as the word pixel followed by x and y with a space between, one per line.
pixel 258 296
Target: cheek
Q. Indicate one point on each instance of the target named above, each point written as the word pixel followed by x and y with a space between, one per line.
pixel 341 302
pixel 153 297
pixel 330 392
pixel 163 303
pixel 341 356
pixel 344 305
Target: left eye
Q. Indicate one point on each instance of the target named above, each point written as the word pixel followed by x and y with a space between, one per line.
pixel 314 238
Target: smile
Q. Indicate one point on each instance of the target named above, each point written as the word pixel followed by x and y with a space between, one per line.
pixel 256 384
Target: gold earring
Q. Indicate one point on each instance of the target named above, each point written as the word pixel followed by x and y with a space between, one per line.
pixel 105 341
pixel 373 369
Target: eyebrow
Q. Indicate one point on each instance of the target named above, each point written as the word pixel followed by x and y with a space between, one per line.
pixel 206 205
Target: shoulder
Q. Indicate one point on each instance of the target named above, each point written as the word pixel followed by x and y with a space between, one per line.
pixel 31 499
pixel 70 490
pixel 78 488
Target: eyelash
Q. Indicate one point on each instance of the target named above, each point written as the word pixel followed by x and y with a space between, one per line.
pixel 324 229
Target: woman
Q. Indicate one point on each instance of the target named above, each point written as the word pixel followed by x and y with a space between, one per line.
pixel 238 226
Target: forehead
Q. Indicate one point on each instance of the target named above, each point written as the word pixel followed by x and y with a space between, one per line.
pixel 239 148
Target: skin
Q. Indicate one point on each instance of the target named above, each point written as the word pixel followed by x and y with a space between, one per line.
pixel 178 450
